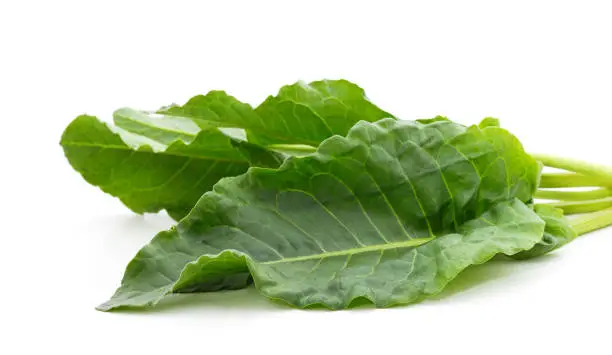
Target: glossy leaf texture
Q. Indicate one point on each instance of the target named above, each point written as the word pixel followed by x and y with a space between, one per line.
pixel 389 214
pixel 169 172
pixel 557 233
pixel 299 114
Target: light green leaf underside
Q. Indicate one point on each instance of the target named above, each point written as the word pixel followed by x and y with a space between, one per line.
pixel 299 114
pixel 161 128
pixel 164 128
pixel 384 190
pixel 145 174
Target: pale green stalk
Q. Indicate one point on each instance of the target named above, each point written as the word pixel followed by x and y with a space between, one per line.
pixel 592 221
pixel 573 195
pixel 574 207
pixel 550 180
pixel 601 174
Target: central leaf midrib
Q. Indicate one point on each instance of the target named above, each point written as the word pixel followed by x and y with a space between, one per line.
pixel 353 251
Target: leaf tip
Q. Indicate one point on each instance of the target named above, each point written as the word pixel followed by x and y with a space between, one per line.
pixel 105 307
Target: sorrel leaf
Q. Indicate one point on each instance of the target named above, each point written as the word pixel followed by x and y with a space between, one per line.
pixel 148 175
pixel 299 114
pixel 390 213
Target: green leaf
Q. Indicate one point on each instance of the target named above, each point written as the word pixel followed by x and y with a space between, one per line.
pixel 146 174
pixel 167 129
pixel 390 213
pixel 217 109
pixel 557 233
pixel 299 114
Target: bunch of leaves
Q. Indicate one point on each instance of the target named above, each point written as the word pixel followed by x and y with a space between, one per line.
pixel 320 198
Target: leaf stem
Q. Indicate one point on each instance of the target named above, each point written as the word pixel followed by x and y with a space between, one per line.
pixel 600 172
pixel 573 195
pixel 549 180
pixel 574 207
pixel 593 221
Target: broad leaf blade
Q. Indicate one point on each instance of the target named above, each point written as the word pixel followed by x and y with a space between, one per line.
pixel 147 175
pixel 299 114
pixel 310 113
pixel 399 275
pixel 387 189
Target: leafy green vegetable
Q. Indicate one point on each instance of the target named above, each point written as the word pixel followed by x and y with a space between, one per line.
pixel 320 198
pixel 390 213
pixel 148 175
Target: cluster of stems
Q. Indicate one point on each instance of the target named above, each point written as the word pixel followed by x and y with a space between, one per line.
pixel 595 203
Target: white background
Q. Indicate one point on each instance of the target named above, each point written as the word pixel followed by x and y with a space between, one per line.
pixel 543 68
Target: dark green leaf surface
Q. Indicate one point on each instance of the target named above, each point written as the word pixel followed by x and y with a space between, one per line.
pixel 558 232
pixel 399 274
pixel 390 213
pixel 146 174
pixel 300 114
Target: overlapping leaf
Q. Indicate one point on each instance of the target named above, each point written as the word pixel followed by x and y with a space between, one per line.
pixel 148 175
pixel 390 213
pixel 299 114
pixel 168 160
